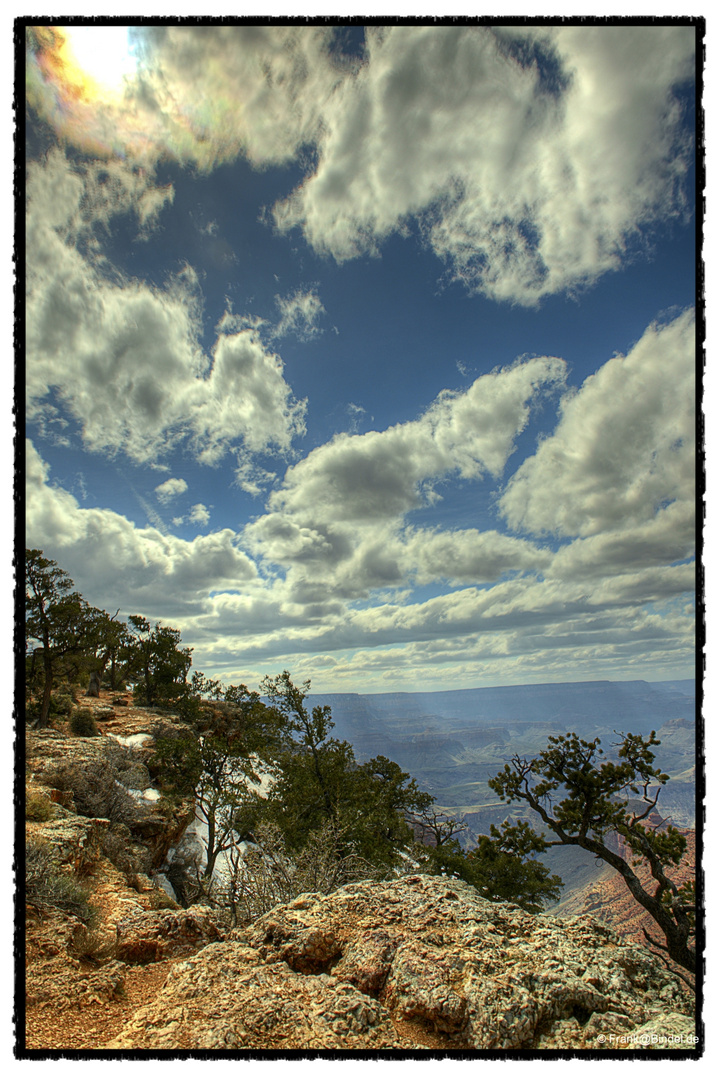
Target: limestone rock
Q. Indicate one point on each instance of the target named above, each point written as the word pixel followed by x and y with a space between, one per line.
pixel 233 1002
pixel 148 936
pixel 46 750
pixel 353 969
pixel 55 976
pixel 75 841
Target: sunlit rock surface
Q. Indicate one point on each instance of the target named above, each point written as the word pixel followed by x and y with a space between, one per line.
pixel 424 955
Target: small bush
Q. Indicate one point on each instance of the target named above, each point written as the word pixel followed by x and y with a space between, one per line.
pixel 47 886
pixel 61 704
pixel 268 873
pixel 38 806
pixel 130 859
pixel 96 793
pixel 90 943
pixel 82 723
pixel 160 901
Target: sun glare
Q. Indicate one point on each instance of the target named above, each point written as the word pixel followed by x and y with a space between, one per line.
pixel 102 53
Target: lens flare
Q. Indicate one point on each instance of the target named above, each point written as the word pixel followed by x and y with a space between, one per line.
pixel 76 79
pixel 102 53
pixel 104 90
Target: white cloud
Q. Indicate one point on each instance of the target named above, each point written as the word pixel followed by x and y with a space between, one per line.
pixel 525 185
pixel 624 447
pixel 381 475
pixel 114 562
pixel 334 522
pixel 528 156
pixel 299 315
pixel 199 514
pixel 614 599
pixel 124 358
pixel 170 489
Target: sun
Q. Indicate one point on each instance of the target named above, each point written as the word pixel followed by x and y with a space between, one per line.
pixel 103 53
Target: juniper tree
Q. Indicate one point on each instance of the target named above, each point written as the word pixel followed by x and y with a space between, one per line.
pixel 60 626
pixel 319 782
pixel 584 800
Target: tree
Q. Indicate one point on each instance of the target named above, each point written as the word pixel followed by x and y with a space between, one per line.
pixel 221 767
pixel 156 662
pixel 319 782
pixel 433 828
pixel 497 868
pixel 113 641
pixel 583 800
pixel 58 618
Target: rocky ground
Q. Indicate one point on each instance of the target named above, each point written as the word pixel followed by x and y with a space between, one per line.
pixel 419 964
pixel 344 971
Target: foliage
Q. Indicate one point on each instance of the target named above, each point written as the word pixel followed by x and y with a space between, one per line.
pixel 61 629
pixel 129 858
pixel 38 806
pixel 82 723
pixel 47 886
pixel 61 704
pixel 267 873
pixel 96 793
pixel 498 867
pixel 91 943
pixel 433 828
pixel 318 782
pixel 156 662
pixel 583 800
pixel 219 767
pixel 160 901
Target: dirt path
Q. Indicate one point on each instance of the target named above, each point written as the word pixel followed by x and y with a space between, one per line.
pixel 92 1026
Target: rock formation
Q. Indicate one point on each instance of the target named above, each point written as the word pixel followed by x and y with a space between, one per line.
pixel 416 962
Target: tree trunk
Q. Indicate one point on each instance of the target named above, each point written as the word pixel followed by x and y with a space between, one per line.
pixel 43 719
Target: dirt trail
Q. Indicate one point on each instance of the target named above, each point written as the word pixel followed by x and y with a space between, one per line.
pixel 91 1026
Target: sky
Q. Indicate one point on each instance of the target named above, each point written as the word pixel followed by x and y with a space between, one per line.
pixel 369 353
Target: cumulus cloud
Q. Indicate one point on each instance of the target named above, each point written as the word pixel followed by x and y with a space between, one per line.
pixel 525 184
pixel 624 447
pixel 335 519
pixel 199 514
pixel 621 597
pixel 170 489
pixel 110 558
pixel 124 358
pixel 201 95
pixel 380 475
pixel 529 157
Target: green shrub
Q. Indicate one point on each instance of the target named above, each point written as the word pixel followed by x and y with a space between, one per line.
pixel 83 723
pixel 61 704
pixel 47 886
pixel 127 857
pixel 160 901
pixel 38 806
pixel 95 792
pixel 90 943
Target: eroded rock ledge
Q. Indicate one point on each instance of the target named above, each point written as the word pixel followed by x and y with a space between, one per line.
pixel 352 970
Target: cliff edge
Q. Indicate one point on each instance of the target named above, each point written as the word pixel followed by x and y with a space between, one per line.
pixel 417 963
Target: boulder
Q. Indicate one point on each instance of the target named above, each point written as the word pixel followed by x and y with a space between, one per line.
pixel 419 961
pixel 48 750
pixel 75 841
pixel 148 936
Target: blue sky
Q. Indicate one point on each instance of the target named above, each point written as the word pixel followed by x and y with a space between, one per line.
pixel 377 364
